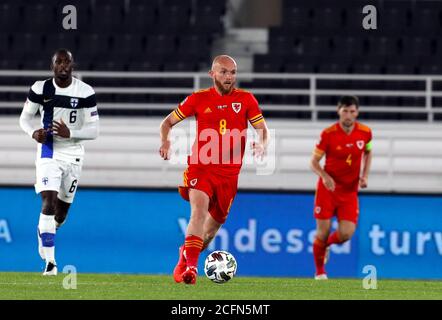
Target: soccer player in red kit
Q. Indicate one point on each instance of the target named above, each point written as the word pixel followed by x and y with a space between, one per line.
pixel 346 145
pixel 222 113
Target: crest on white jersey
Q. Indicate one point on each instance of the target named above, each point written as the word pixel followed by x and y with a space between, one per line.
pixel 74 102
pixel 360 144
pixel 193 182
pixel 236 106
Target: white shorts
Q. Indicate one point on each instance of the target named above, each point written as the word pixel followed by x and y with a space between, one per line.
pixel 57 175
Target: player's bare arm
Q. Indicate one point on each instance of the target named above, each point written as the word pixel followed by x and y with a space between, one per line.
pixel 165 128
pixel 259 148
pixel 328 181
pixel 366 164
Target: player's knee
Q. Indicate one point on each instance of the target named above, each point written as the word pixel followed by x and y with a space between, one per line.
pixel 322 235
pixel 48 207
pixel 345 235
pixel 49 203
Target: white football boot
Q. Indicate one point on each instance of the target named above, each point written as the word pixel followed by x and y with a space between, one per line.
pixel 322 276
pixel 50 269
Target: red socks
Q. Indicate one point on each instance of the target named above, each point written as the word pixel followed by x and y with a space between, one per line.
pixel 333 239
pixel 319 248
pixel 193 245
pixel 319 253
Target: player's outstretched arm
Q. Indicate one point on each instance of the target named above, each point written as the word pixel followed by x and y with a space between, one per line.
pixel 366 165
pixel 259 148
pixel 165 128
pixel 316 168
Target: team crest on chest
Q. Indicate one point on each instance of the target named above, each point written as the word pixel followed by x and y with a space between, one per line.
pixel 236 106
pixel 74 102
pixel 360 144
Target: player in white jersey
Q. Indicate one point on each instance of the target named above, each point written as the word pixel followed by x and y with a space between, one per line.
pixel 69 115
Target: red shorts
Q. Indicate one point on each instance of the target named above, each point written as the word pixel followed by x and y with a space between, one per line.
pixel 221 189
pixel 343 205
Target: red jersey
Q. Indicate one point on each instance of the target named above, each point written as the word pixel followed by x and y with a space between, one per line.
pixel 343 154
pixel 222 122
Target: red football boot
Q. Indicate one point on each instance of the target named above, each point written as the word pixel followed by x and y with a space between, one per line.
pixel 180 267
pixel 189 276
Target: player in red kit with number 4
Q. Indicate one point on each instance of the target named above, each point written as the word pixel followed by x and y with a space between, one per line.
pixel 346 145
pixel 222 113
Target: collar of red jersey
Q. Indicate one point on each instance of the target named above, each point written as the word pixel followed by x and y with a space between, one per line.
pixel 223 95
pixel 356 126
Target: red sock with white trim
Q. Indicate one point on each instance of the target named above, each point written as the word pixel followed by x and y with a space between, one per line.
pixel 193 245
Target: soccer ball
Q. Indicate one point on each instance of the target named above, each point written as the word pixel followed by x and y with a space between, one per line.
pixel 220 266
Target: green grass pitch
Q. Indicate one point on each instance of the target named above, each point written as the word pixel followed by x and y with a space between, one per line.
pixel 153 287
